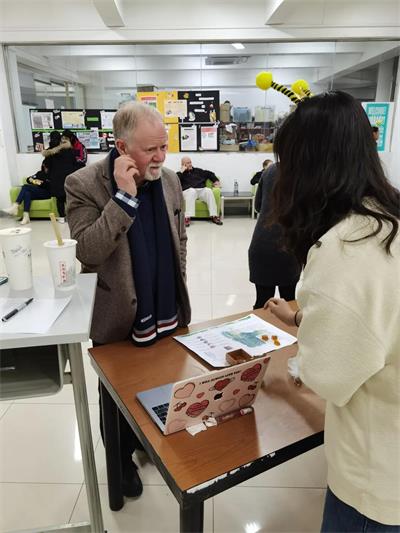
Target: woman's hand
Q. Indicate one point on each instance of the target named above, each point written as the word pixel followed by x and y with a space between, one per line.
pixel 282 310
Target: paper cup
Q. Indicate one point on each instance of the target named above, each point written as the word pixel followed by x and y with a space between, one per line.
pixel 62 263
pixel 17 253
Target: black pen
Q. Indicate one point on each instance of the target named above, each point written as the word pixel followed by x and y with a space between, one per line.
pixel 16 310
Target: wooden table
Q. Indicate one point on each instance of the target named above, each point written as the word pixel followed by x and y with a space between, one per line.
pixel 287 421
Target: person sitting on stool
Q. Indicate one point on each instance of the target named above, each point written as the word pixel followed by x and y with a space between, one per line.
pixel 193 181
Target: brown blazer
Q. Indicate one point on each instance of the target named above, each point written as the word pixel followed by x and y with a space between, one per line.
pixel 100 226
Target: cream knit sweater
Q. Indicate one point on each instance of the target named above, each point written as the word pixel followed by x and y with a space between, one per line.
pixel 349 354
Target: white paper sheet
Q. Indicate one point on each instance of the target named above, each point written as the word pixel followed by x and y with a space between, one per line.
pixel 188 138
pixel 209 137
pixel 37 317
pixel 212 344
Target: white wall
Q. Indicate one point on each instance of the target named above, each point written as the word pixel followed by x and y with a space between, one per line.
pixel 228 166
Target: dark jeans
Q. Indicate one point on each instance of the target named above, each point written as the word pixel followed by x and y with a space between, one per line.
pixel 61 205
pixel 264 293
pixel 341 518
pixel 128 440
pixel 29 193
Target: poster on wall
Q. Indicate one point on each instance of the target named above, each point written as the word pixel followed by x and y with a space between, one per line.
pixel 42 120
pixel 188 138
pixel 150 100
pixel 380 115
pixel 92 126
pixel 202 106
pixel 175 108
pixel 208 138
pixel 90 139
pixel 72 120
pixel 106 119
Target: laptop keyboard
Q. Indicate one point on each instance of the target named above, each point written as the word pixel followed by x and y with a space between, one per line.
pixel 161 411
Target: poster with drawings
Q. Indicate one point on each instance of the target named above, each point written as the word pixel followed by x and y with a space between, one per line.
pixel 250 333
pixel 202 106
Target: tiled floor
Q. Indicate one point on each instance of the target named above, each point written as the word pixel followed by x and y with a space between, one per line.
pixel 40 464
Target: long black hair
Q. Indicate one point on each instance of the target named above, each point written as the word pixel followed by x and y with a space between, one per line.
pixel 69 135
pixel 55 139
pixel 328 167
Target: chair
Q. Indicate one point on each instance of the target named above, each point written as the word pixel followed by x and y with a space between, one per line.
pixel 39 208
pixel 201 209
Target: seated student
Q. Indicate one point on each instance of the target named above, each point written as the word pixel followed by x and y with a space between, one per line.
pixel 257 176
pixel 193 181
pixel 37 188
pixel 78 148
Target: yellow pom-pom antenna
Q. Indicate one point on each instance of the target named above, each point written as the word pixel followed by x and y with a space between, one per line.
pixel 301 88
pixel 264 81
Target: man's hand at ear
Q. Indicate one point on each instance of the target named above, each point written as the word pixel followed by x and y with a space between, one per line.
pixel 127 175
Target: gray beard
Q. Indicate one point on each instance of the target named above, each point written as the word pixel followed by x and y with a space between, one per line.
pixel 150 177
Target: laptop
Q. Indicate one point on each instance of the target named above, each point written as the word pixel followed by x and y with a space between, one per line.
pixel 176 406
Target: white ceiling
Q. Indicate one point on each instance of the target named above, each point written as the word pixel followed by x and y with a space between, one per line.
pixel 151 22
pixel 194 20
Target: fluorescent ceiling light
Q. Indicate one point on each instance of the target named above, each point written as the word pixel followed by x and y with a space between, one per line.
pixel 238 46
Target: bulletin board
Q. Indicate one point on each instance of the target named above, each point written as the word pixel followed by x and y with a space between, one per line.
pixel 93 127
pixel 191 118
pixel 198 130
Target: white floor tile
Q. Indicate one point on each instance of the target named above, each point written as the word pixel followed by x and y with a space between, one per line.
pixel 199 280
pixel 147 471
pixel 233 281
pixel 40 444
pixel 229 304
pixel 308 470
pixel 231 246
pixel 201 307
pixel 156 511
pixel 4 406
pixel 269 510
pixel 31 506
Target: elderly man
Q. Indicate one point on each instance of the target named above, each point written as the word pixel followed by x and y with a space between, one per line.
pixel 125 211
pixel 193 182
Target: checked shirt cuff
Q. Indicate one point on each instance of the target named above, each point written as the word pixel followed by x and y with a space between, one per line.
pixel 128 203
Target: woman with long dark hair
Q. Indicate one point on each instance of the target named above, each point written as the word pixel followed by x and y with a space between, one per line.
pixel 340 217
pixel 60 162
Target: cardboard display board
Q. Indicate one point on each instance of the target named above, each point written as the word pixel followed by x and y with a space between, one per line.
pixel 93 127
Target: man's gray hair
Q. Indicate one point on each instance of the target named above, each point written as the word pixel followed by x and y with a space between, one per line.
pixel 128 116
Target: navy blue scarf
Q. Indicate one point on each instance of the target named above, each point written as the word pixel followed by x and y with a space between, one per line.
pixel 153 264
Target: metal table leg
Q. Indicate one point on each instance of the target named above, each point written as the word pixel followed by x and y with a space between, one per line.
pixel 222 206
pixel 191 518
pixel 113 451
pixel 74 353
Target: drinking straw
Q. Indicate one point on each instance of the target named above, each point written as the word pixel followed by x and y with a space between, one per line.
pixel 56 230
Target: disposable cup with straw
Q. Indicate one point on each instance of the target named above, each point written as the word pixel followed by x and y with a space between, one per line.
pixel 61 254
pixel 16 246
